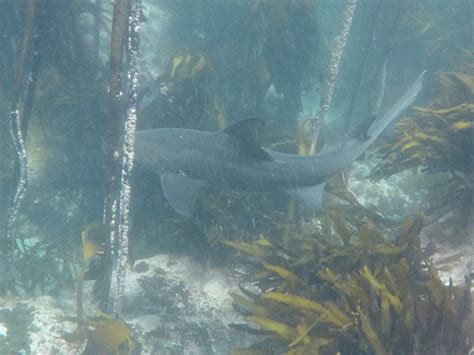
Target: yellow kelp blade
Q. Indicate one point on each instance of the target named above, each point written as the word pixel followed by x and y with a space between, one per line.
pixel 175 63
pixel 263 241
pixel 409 145
pixel 89 246
pixel 337 317
pixel 466 79
pixel 385 313
pixel 372 336
pixel 89 249
pixel 221 117
pixel 464 107
pixel 110 337
pixel 293 300
pixel 371 279
pixel 248 306
pixel 358 292
pixel 284 274
pixel 329 276
pixel 389 279
pixel 303 332
pixel 387 249
pixel 247 248
pixel 92 237
pixel 367 274
pixel 461 125
pixel 341 229
pixel 281 329
pixel 252 350
pixel 200 64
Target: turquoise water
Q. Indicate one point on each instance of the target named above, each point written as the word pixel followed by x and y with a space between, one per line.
pixel 168 244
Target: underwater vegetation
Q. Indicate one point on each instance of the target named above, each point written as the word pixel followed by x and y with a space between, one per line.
pixel 439 140
pixel 109 336
pixel 93 240
pixel 184 94
pixel 102 333
pixel 434 28
pixel 40 41
pixel 351 289
pixel 275 41
pixel 340 283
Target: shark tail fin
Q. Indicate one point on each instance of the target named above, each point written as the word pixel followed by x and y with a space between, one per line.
pixel 377 128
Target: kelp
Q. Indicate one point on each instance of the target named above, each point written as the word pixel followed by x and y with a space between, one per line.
pixel 252 249
pixel 103 334
pixel 110 336
pixel 281 329
pixel 246 306
pixel 434 29
pixel 284 273
pixel 333 67
pixel 367 295
pixel 93 239
pixel 438 140
pixel 114 119
pixel 278 40
pixel 184 94
pixel 298 301
pixel 26 73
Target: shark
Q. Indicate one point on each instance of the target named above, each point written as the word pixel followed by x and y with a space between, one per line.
pixel 233 158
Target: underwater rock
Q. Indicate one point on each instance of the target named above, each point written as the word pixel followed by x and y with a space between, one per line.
pixel 170 303
pixel 14 327
pixel 141 267
pixel 173 307
pixel 32 327
pixel 177 308
pixel 386 195
pixel 451 246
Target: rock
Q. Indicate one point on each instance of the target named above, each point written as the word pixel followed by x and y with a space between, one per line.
pixel 171 304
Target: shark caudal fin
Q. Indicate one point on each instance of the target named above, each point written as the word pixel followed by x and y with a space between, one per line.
pixel 355 146
pixel 407 99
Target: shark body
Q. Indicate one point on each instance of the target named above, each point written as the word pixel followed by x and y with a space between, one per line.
pixel 233 159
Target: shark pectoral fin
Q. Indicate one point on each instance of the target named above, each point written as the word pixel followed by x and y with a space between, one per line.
pixel 181 192
pixel 310 197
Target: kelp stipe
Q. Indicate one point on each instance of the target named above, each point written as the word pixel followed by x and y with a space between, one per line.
pixel 22 97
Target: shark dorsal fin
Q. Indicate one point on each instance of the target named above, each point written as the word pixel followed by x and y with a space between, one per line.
pixel 247 135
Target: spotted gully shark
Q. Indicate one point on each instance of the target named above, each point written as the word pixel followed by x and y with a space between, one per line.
pixel 233 159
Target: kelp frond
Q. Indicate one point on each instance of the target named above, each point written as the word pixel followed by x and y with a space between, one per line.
pixel 438 139
pixel 383 297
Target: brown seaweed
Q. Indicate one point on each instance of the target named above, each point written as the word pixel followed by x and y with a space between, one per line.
pixel 385 298
pixel 438 140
